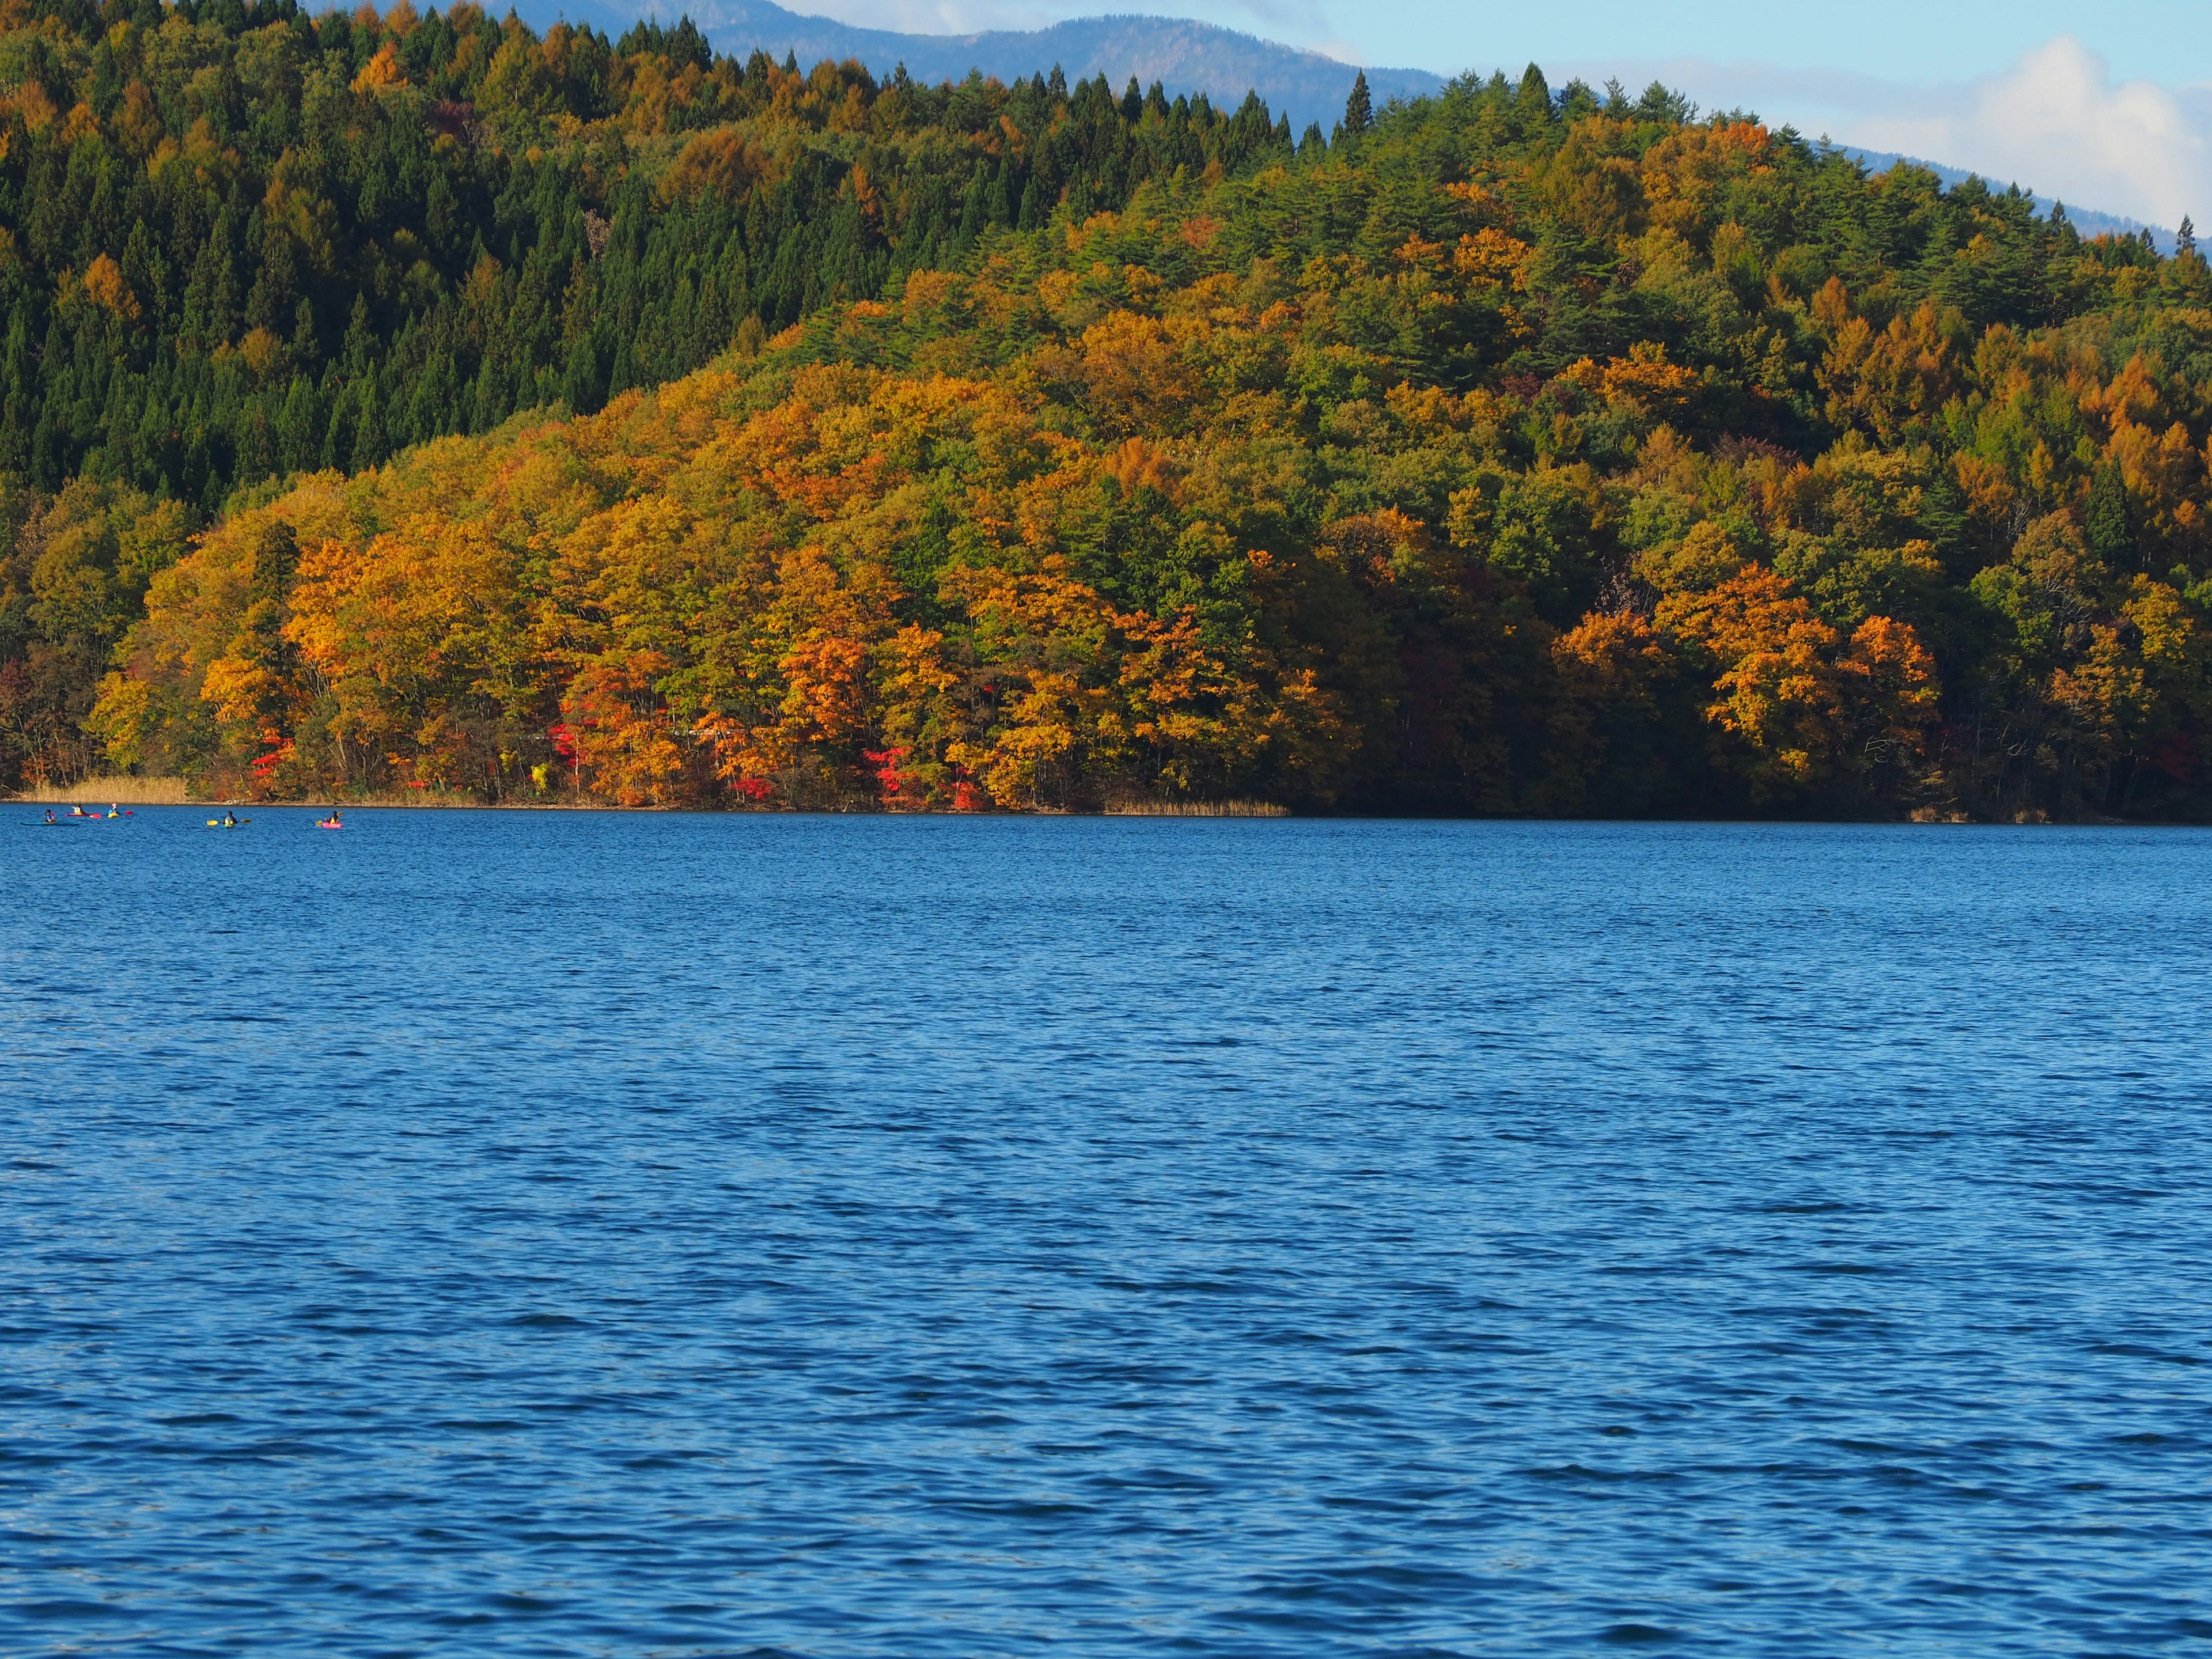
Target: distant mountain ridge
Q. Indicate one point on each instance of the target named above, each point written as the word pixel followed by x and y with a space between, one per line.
pixel 2088 220
pixel 1185 55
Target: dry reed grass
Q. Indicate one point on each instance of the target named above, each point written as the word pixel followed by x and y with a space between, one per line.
pixel 135 791
pixel 1195 809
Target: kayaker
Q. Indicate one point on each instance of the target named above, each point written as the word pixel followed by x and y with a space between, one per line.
pixel 51 819
pixel 229 822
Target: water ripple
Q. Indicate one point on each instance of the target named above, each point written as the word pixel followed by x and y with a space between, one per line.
pixel 578 1234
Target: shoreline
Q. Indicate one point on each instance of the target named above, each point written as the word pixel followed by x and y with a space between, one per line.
pixel 86 796
pixel 173 792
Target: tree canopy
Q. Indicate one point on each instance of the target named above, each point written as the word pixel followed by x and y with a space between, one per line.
pixel 1521 450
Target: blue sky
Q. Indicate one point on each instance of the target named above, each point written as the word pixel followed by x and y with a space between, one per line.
pixel 1891 39
pixel 2107 106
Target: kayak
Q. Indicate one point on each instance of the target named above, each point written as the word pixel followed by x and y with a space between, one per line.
pixel 217 823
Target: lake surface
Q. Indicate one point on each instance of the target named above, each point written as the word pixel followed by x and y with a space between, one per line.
pixel 582 1234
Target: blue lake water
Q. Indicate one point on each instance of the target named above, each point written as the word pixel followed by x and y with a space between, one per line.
pixel 581 1234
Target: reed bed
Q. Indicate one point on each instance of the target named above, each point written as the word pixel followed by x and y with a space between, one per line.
pixel 1195 809
pixel 132 792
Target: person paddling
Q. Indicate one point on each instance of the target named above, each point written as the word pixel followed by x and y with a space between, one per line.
pixel 51 819
pixel 229 820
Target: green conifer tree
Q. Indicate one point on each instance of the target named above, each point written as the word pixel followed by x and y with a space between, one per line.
pixel 1360 108
pixel 2106 521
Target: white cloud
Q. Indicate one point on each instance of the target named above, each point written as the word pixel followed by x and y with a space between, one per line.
pixel 2058 122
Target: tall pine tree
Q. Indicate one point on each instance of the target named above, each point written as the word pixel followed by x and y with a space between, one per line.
pixel 1360 108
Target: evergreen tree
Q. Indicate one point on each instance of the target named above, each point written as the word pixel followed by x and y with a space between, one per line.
pixel 1360 108
pixel 2105 522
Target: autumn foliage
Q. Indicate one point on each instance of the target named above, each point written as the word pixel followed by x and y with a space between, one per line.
pixel 1524 452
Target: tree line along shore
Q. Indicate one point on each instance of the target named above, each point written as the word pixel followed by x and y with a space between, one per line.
pixel 415 404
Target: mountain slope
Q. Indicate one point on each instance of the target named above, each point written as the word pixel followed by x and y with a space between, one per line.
pixel 1186 57
pixel 381 232
pixel 239 243
pixel 1518 454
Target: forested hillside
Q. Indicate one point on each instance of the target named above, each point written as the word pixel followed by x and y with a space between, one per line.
pixel 237 242
pixel 1518 452
pixel 242 242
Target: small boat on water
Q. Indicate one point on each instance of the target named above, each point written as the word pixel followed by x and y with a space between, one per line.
pixel 226 822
